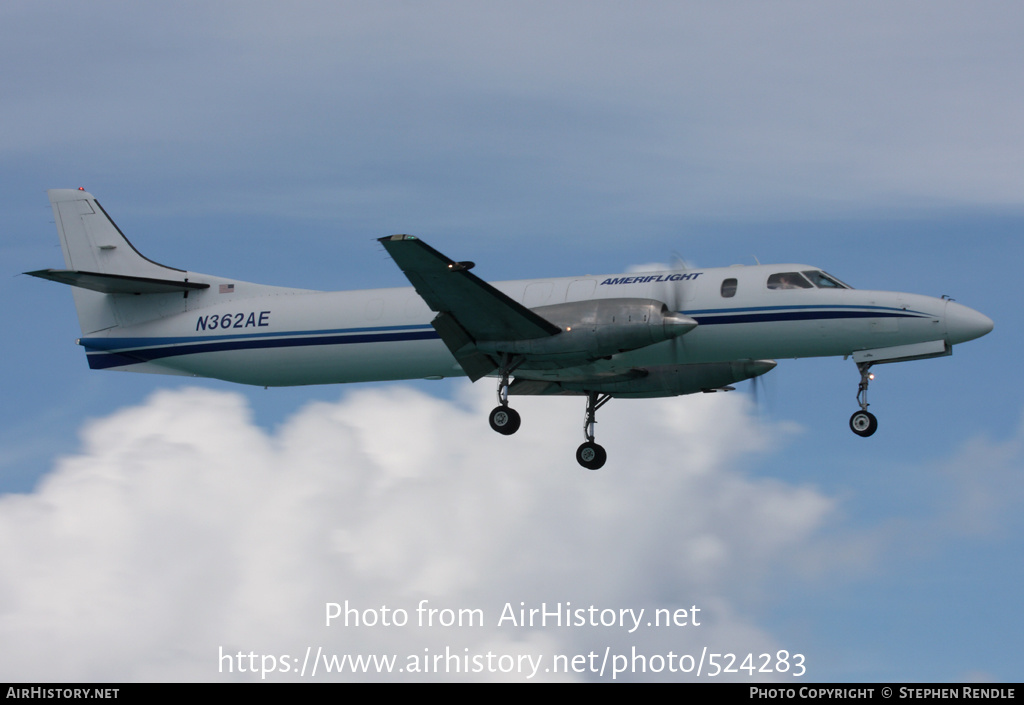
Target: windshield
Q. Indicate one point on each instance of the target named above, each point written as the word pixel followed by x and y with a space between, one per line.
pixel 824 281
pixel 788 280
pixel 804 280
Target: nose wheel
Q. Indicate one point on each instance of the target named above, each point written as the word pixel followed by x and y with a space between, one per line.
pixel 863 422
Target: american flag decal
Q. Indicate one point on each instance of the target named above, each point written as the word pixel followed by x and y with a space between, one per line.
pixel 227 288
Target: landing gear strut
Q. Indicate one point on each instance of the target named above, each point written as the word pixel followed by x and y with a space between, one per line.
pixel 863 422
pixel 504 419
pixel 591 455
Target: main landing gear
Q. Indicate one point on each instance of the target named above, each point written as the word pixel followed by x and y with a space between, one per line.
pixel 590 455
pixel 863 422
pixel 504 419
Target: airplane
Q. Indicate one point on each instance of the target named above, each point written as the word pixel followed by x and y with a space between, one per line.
pixel 637 335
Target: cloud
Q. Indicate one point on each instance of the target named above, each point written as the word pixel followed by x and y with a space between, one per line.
pixel 492 111
pixel 182 535
pixel 984 488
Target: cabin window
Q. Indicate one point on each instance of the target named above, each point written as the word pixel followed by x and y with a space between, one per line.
pixel 788 280
pixel 728 288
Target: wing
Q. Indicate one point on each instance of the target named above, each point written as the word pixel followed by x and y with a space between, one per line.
pixel 470 311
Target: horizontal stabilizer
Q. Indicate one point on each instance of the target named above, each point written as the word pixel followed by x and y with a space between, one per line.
pixel 116 283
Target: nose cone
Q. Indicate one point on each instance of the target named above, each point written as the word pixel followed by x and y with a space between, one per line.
pixel 963 324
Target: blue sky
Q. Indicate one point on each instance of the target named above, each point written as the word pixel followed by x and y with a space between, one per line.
pixel 268 143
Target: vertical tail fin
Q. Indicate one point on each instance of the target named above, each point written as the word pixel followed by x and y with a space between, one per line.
pixel 106 271
pixel 93 243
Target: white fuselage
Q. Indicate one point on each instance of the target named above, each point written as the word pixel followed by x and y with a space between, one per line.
pixel 271 336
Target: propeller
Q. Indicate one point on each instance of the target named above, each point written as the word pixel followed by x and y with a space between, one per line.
pixel 762 394
pixel 672 295
pixel 756 392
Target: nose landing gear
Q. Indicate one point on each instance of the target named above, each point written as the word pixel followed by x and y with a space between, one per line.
pixel 863 422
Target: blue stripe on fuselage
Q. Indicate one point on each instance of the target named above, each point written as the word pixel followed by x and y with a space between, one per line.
pixel 104 353
pixel 771 314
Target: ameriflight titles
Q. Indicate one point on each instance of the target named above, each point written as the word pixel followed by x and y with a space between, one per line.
pixel 546 615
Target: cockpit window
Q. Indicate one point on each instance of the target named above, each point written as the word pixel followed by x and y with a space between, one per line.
pixel 824 281
pixel 788 280
pixel 804 280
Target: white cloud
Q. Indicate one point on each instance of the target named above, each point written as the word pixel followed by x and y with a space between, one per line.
pixel 181 528
pixel 985 487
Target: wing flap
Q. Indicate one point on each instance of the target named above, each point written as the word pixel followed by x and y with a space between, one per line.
pixel 475 363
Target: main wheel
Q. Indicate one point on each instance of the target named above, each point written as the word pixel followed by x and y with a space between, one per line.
pixel 591 456
pixel 505 420
pixel 863 423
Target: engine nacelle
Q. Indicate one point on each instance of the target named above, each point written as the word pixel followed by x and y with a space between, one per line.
pixel 598 328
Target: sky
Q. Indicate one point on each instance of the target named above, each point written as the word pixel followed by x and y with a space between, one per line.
pixel 151 525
